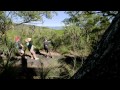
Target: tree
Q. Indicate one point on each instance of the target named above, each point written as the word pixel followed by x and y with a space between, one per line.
pixel 5 22
pixel 6 17
pixel 76 15
pixel 30 16
pixel 103 63
pixel 90 19
pixel 92 23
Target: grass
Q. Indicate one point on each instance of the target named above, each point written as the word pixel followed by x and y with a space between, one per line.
pixel 59 32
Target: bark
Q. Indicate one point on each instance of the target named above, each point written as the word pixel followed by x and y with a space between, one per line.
pixel 103 62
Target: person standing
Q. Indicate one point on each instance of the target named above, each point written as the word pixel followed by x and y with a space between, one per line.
pixel 31 48
pixel 46 48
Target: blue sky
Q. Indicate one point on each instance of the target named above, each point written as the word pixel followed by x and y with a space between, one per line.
pixel 55 21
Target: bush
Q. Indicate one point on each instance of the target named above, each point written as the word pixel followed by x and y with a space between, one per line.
pixel 63 50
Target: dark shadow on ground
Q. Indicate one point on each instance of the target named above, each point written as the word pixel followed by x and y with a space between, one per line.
pixel 38 52
pixel 71 60
pixel 20 71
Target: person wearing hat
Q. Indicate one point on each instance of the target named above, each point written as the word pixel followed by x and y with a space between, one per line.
pixel 31 48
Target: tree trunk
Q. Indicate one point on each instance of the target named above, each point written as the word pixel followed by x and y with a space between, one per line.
pixel 103 62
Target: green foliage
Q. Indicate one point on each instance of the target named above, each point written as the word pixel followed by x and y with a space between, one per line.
pixel 82 32
pixel 28 16
pixel 91 26
pixel 63 50
pixel 5 22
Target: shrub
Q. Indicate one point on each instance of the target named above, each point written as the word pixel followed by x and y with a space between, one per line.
pixel 63 50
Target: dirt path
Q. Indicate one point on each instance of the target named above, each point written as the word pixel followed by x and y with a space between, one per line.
pixel 58 65
pixel 43 61
pixel 47 62
pixel 30 68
